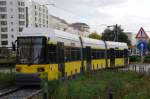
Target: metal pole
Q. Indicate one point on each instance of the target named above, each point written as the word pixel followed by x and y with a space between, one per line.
pixel 116 34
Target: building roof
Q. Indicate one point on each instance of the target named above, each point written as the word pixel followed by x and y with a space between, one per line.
pixel 57 18
pixel 79 24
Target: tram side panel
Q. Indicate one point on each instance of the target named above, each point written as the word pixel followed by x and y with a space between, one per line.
pixel 119 58
pixel 98 59
pixel 72 61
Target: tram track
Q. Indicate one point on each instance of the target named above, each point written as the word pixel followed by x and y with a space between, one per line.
pixel 16 92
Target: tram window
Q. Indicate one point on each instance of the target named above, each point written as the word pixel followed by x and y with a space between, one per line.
pixel 67 54
pixel 78 55
pixel 98 54
pixel 72 54
pixel 121 53
pixel 108 54
pixel 84 53
pixel 52 53
pixel 93 54
pixel 117 53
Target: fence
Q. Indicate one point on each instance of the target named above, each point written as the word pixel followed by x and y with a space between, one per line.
pixel 140 69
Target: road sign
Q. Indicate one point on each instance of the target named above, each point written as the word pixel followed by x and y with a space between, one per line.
pixel 141 34
pixel 142 46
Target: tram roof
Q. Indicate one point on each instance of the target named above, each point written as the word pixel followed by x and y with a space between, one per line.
pixel 36 32
pixel 54 34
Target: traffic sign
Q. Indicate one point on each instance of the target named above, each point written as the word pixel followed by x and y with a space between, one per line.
pixel 142 46
pixel 141 34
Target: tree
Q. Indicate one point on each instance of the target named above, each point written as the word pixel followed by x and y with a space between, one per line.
pixel 116 34
pixel 94 35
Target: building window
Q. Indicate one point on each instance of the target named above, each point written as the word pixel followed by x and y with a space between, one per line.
pixel 21 9
pixel 21 23
pixel 21 16
pixel 2 2
pixel 3 9
pixel 35 19
pixel 12 23
pixel 20 29
pixel 11 16
pixel 3 22
pixel 11 3
pixel 4 42
pixel 3 16
pixel 4 29
pixel 12 36
pixel 21 3
pixel 35 13
pixel 12 29
pixel 36 25
pixel 4 36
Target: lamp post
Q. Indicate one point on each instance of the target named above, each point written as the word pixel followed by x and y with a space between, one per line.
pixel 115 32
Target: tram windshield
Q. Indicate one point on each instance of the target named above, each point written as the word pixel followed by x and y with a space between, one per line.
pixel 31 50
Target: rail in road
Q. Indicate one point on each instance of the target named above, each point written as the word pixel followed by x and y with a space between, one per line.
pixel 15 92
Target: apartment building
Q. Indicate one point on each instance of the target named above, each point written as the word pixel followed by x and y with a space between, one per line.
pixel 78 28
pixel 57 23
pixel 37 14
pixel 12 20
pixel 15 15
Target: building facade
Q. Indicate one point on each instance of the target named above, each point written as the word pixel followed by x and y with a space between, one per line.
pixel 57 23
pixel 15 15
pixel 12 20
pixel 81 29
pixel 37 14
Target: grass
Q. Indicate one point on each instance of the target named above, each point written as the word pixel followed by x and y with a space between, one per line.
pixel 97 86
pixel 7 78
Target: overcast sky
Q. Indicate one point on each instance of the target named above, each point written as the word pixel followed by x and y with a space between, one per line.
pixel 131 14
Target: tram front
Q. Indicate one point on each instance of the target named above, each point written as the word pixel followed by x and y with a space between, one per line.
pixel 31 56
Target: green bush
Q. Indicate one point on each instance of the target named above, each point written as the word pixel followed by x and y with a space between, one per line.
pixel 7 78
pixel 134 58
pixel 147 58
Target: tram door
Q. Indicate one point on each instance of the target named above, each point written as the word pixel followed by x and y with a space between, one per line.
pixel 112 58
pixel 88 58
pixel 60 59
pixel 126 57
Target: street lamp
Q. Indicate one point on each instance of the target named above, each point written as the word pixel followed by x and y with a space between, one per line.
pixel 115 32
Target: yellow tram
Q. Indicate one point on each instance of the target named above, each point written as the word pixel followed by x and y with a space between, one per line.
pixel 62 55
